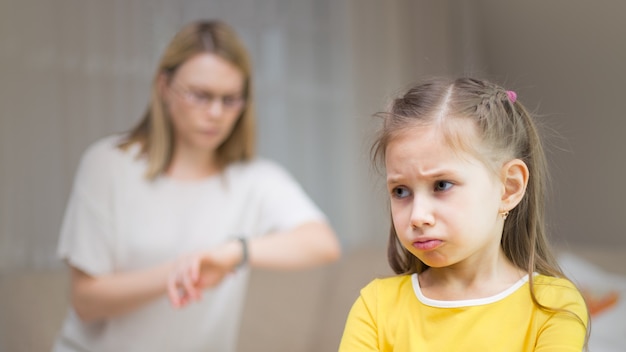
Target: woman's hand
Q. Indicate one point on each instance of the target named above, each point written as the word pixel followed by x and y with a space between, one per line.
pixel 193 273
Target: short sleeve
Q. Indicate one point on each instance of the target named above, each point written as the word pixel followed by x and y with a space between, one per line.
pixel 284 204
pixel 562 331
pixel 361 331
pixel 86 236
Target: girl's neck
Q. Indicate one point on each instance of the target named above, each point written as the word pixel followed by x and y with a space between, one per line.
pixel 470 280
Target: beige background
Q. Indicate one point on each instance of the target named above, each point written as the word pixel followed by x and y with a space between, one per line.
pixel 74 71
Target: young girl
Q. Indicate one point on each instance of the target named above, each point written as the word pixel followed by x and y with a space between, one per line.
pixel 466 181
pixel 179 207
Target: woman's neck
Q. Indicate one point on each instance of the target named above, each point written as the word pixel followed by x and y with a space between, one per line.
pixel 190 164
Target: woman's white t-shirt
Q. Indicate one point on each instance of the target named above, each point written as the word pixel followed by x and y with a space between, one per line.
pixel 117 221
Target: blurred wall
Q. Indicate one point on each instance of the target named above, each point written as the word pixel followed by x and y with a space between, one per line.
pixel 75 71
pixel 567 60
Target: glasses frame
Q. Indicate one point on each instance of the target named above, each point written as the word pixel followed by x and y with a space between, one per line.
pixel 203 99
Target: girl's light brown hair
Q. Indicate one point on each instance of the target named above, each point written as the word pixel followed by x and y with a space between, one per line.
pixel 154 132
pixel 506 131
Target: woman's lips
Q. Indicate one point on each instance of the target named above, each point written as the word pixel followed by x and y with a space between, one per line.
pixel 426 245
pixel 210 132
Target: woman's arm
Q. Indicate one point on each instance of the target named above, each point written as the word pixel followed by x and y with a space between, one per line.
pixel 312 243
pixel 99 297
pixel 307 245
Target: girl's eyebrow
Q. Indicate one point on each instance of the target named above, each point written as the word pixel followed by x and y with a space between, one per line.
pixel 437 173
pixel 394 179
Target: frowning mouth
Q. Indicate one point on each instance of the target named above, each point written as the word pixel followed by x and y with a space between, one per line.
pixel 426 245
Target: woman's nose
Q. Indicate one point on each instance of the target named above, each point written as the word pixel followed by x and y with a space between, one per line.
pixel 215 108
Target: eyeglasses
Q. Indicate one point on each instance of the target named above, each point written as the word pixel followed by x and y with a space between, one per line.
pixel 204 99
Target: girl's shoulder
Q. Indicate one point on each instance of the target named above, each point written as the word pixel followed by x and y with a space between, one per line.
pixel 556 291
pixel 388 296
pixel 545 282
pixel 388 286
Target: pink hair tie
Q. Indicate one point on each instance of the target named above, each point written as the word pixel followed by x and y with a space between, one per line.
pixel 512 96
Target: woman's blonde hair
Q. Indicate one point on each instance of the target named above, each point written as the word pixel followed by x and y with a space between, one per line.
pixel 506 131
pixel 154 132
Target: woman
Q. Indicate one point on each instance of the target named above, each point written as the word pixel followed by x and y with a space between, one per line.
pixel 180 207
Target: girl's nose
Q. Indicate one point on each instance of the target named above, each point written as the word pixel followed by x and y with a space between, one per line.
pixel 422 213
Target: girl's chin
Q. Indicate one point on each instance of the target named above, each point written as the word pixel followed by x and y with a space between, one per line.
pixel 433 259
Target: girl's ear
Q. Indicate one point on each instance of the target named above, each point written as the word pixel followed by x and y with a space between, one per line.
pixel 514 176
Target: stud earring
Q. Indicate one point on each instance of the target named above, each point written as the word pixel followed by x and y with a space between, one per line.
pixel 504 214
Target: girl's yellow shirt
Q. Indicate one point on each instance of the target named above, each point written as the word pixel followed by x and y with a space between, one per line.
pixel 391 314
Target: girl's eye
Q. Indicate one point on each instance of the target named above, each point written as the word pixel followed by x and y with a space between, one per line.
pixel 442 185
pixel 400 192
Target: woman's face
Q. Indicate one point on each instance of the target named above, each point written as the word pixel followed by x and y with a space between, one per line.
pixel 444 203
pixel 204 99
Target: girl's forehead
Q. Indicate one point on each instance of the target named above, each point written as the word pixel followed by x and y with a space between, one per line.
pixel 435 144
pixel 457 134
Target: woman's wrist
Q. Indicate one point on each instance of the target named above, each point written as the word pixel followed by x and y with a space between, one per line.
pixel 234 253
pixel 243 242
